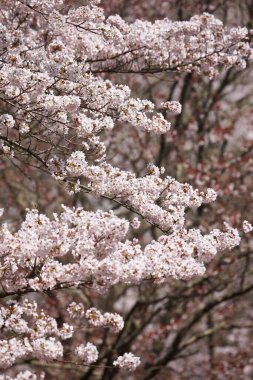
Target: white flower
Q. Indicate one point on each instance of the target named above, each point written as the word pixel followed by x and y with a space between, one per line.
pixel 94 317
pixel 66 331
pixel 75 310
pixel 135 223
pixel 247 227
pixel 7 120
pixel 47 348
pixel 115 321
pixel 76 163
pixel 87 353
pixel 172 106
pixel 128 361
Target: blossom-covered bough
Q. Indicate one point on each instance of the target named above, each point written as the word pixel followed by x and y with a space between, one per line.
pixel 57 113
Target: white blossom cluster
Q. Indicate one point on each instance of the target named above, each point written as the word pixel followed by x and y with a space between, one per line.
pixel 96 318
pixel 87 353
pixel 112 320
pixel 135 223
pixel 99 255
pixel 6 121
pixel 25 375
pixel 247 227
pixel 172 106
pixel 160 201
pixel 127 361
pixel 37 334
pixel 51 84
pixel 75 310
pixel 202 43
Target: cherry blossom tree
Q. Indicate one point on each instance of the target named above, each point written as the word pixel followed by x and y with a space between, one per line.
pixel 68 118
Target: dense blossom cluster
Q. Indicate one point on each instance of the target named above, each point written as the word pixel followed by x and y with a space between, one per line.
pixel 84 40
pixel 160 201
pixel 48 58
pixel 36 334
pixel 116 45
pixel 98 254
